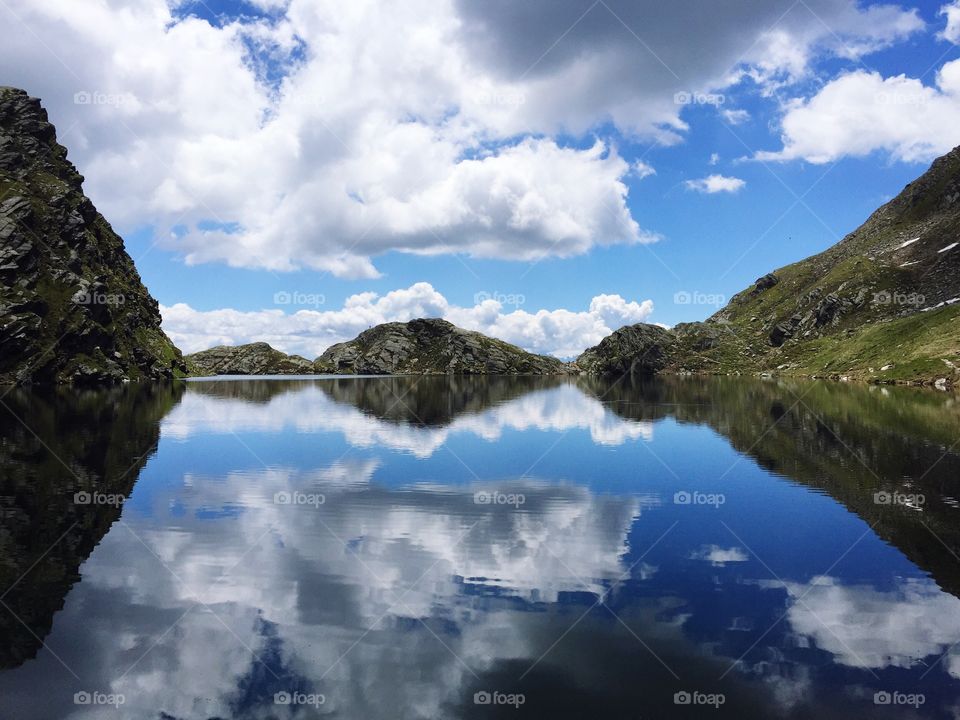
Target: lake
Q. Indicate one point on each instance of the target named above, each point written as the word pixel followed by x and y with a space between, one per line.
pixel 480 547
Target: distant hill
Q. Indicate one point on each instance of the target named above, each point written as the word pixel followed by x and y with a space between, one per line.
pixel 252 359
pixel 425 346
pixel 72 306
pixel 432 347
pixel 883 305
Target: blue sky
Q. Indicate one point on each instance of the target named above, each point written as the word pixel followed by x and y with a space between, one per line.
pixel 273 149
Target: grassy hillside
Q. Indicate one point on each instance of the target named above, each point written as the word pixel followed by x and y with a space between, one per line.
pixel 879 305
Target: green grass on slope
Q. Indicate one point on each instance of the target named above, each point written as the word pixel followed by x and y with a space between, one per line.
pixel 915 348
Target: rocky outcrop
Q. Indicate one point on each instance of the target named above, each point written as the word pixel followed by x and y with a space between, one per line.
pixel 253 359
pixel 765 283
pixel 72 306
pixel 432 347
pixel 686 348
pixel 635 349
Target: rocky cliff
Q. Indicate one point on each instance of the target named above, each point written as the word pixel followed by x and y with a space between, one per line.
pixel 253 359
pixel 883 305
pixel 432 347
pixel 72 306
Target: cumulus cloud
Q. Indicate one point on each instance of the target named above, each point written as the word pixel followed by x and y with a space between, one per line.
pixel 563 333
pixel 628 59
pixel 715 184
pixel 323 138
pixel 861 112
pixel 951 32
pixel 785 52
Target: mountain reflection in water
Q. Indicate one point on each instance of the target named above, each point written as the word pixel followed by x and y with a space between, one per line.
pixel 391 547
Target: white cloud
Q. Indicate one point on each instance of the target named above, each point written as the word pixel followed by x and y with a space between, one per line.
pixel 861 112
pixel 735 117
pixel 560 332
pixel 714 158
pixel 867 628
pixel 423 127
pixel 718 556
pixel 951 32
pixel 715 184
pixel 640 169
pixel 784 53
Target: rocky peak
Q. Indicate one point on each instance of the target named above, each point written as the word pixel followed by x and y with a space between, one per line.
pixel 257 358
pixel 72 305
pixel 430 346
pixel 634 349
pixel 29 139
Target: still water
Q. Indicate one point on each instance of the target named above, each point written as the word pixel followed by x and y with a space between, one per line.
pixel 479 548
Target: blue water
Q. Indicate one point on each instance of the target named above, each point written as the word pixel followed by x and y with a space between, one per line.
pixel 433 548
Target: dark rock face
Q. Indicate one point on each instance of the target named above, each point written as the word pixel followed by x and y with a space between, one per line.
pixel 253 359
pixel 635 349
pixel 765 283
pixel 432 347
pixel 829 309
pixel 72 306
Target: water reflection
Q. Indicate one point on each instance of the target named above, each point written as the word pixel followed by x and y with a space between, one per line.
pixel 53 445
pixel 414 414
pixel 396 545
